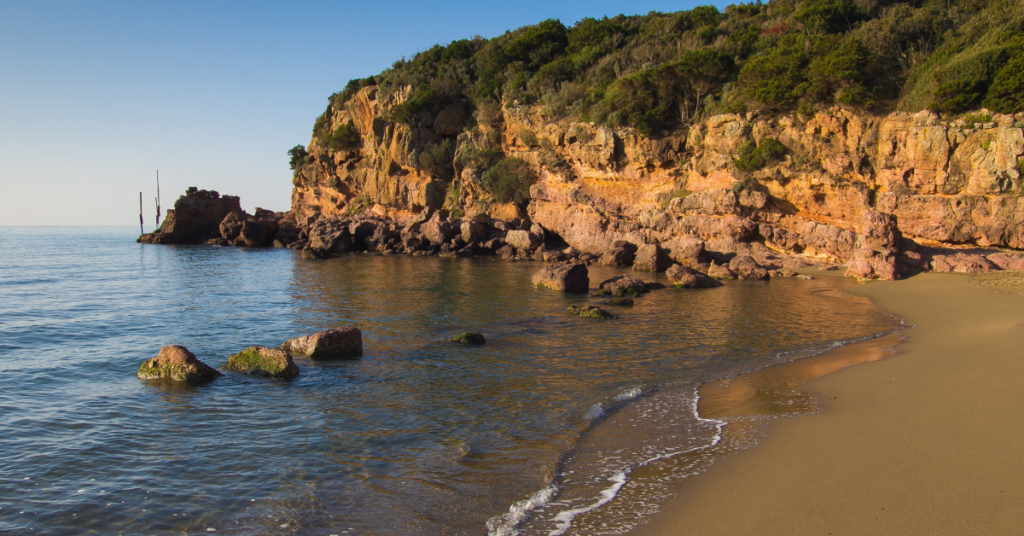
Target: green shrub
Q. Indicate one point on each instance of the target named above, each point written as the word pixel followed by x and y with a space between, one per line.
pixel 1006 94
pixel 509 180
pixel 971 119
pixel 339 99
pixel 480 159
pixel 754 156
pixel 343 138
pixel 358 204
pixel 438 159
pixel 297 157
pixel 528 138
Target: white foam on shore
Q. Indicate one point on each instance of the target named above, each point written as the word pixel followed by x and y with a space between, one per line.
pixel 596 411
pixel 628 394
pixel 563 521
pixel 505 525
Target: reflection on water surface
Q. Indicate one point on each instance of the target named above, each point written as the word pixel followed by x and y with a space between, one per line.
pixel 420 436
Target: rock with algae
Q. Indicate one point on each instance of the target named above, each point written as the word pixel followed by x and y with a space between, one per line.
pixel 621 302
pixel 589 311
pixel 263 362
pixel 176 363
pixel 470 337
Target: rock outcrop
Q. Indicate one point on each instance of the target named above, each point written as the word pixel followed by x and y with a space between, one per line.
pixel 206 217
pixel 328 344
pixel 176 363
pixel 566 278
pixel 263 362
pixel 682 197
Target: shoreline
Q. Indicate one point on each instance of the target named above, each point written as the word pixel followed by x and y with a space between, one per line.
pixel 912 444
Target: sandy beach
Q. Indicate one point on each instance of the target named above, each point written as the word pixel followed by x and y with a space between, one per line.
pixel 928 441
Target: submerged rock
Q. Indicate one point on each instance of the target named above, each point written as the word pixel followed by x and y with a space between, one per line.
pixel 564 277
pixel 683 277
pixel 328 344
pixel 621 302
pixel 470 337
pixel 176 363
pixel 263 362
pixel 589 311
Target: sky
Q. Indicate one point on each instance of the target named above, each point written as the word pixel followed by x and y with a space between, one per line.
pixel 95 97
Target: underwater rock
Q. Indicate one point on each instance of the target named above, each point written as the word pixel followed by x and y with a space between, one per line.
pixel 470 337
pixel 589 311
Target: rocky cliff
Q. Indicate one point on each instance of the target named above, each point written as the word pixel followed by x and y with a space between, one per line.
pixel 894 193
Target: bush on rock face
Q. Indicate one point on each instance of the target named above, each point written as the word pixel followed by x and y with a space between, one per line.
pixel 509 180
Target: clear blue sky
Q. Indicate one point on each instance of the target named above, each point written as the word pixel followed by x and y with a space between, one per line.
pixel 96 96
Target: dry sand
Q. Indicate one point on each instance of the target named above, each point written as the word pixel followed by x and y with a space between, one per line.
pixel 930 441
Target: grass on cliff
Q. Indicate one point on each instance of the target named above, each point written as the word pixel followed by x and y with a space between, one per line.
pixel 661 71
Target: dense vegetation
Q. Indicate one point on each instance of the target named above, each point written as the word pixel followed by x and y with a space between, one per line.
pixel 659 71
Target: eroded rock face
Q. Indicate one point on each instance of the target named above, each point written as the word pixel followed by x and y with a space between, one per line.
pixel 263 362
pixel 176 363
pixel 878 251
pixel 944 181
pixel 328 344
pixel 566 278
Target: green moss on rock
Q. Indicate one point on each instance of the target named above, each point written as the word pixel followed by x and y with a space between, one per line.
pixel 621 302
pixel 589 311
pixel 264 362
pixel 470 337
pixel 176 363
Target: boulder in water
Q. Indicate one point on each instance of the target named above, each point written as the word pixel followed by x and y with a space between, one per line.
pixel 564 277
pixel 328 344
pixel 683 277
pixel 622 285
pixel 263 362
pixel 177 364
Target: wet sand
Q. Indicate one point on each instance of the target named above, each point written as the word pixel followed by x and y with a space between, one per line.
pixel 929 441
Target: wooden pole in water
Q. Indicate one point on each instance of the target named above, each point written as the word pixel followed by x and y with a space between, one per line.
pixel 158 198
pixel 142 230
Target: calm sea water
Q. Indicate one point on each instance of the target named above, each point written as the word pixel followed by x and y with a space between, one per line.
pixel 419 436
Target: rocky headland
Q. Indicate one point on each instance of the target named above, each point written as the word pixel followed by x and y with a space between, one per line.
pixel 886 195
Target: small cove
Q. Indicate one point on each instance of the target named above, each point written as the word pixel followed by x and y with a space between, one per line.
pixel 419 436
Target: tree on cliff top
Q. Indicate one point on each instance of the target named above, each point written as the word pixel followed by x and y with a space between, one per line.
pixel 659 71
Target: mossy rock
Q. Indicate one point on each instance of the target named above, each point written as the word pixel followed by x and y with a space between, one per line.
pixel 621 302
pixel 263 362
pixel 589 311
pixel 175 363
pixel 601 293
pixel 470 337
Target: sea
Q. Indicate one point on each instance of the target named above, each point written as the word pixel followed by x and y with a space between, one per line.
pixel 528 434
